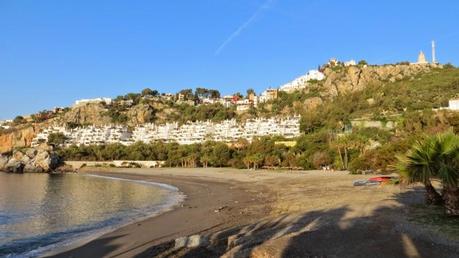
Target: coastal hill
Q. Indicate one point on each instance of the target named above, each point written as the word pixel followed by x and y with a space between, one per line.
pixel 380 108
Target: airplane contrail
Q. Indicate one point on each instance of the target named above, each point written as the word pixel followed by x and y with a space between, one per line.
pixel 238 31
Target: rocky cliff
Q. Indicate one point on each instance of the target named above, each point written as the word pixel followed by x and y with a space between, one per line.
pixel 19 137
pixel 32 160
pixel 140 114
pixel 93 113
pixel 340 80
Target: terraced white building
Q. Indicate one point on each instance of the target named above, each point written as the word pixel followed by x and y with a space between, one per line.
pixel 189 133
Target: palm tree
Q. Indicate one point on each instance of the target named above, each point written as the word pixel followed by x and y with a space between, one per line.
pixel 448 172
pixel 417 165
pixel 436 156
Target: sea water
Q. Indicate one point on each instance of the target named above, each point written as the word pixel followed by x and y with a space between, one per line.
pixel 40 212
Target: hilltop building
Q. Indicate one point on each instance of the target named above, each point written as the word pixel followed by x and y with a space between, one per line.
pixel 268 94
pixel 350 63
pixel 421 58
pixel 81 102
pixel 302 81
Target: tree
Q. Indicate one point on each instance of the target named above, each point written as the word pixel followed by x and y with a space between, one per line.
pixel 362 62
pixel 250 91
pixel 56 139
pixel 214 94
pixel 238 95
pixel 290 161
pixel 221 155
pixel 448 170
pixel 320 159
pixel 19 120
pixel 201 92
pixel 435 156
pixel 149 92
pixel 187 94
pixel 347 143
pixel 253 161
pixel 271 161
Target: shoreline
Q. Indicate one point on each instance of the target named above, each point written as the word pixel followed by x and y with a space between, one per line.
pixel 274 214
pixel 157 229
pixel 170 204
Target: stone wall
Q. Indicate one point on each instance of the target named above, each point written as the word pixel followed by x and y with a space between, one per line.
pixel 115 163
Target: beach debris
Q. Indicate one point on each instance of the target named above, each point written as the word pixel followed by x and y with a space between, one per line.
pixel 364 182
pixel 220 209
pixel 374 181
pixel 191 241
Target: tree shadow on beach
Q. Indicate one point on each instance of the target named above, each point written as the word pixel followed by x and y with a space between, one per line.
pixel 104 246
pixel 322 233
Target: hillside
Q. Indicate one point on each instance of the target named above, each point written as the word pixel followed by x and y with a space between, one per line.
pixel 396 99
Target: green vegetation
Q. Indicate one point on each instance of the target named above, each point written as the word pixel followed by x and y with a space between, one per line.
pixel 56 139
pixel 117 116
pixel 215 112
pixel 407 104
pixel 149 92
pixel 19 120
pixel 207 93
pixel 260 153
pixel 435 157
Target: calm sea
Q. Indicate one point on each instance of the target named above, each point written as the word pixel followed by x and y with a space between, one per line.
pixel 39 212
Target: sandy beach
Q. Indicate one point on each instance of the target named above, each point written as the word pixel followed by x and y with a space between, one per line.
pixel 241 213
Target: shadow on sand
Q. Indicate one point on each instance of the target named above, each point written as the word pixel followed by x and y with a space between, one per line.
pixel 339 232
pixel 323 233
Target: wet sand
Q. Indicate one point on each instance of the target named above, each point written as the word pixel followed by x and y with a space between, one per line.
pixel 210 205
pixel 274 214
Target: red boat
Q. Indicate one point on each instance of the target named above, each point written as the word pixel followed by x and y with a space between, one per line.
pixel 380 179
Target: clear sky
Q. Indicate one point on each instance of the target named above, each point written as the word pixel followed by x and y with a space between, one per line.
pixel 54 52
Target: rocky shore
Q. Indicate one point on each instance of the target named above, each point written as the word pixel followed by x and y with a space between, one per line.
pixel 40 159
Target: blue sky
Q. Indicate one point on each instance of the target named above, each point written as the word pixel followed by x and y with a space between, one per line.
pixel 54 52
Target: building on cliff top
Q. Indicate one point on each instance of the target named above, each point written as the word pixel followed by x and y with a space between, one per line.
pixel 422 58
pixel 81 102
pixel 302 81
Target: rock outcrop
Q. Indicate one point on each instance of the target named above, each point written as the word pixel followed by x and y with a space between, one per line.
pixel 31 160
pixel 91 113
pixel 19 137
pixel 141 114
pixel 340 80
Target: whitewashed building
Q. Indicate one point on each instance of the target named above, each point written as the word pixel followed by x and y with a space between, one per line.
pixel 302 81
pixel 189 133
pixel 81 102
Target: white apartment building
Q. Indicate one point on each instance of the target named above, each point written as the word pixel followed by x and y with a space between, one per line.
pixel 80 102
pixel 302 81
pixel 189 133
pixel 90 135
pixel 226 131
pixel 42 136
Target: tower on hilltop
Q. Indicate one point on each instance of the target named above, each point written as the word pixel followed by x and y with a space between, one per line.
pixel 434 60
